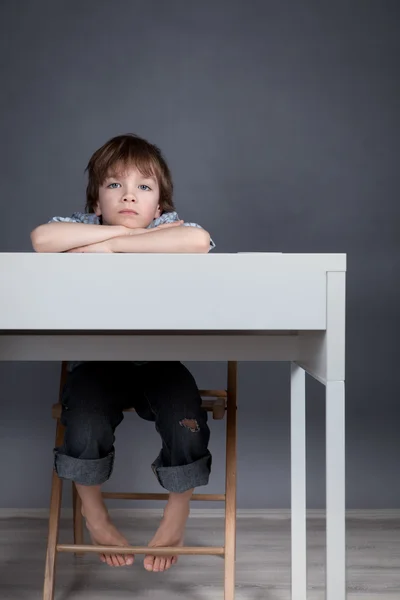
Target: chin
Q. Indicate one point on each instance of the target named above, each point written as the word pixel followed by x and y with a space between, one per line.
pixel 127 220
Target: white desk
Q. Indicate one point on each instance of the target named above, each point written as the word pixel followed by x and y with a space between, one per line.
pixel 245 307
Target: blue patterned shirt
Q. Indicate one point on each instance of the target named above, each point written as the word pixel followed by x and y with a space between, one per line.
pixel 92 219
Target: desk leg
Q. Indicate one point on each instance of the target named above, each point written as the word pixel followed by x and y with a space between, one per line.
pixel 230 486
pixel 335 492
pixel 298 483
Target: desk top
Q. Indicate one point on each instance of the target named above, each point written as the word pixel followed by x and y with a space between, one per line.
pixel 164 292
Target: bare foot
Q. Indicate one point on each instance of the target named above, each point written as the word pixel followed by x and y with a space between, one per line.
pixel 170 532
pixel 104 533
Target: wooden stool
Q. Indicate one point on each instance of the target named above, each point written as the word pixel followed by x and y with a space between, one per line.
pixel 216 401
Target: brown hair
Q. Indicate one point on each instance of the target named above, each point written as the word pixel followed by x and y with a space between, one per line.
pixel 124 151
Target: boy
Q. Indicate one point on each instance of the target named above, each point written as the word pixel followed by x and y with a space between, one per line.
pixel 129 208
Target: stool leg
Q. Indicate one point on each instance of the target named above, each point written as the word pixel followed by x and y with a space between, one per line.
pixel 78 519
pixel 230 487
pixel 54 522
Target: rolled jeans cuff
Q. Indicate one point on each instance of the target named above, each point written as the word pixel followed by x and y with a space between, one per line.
pixel 83 471
pixel 183 478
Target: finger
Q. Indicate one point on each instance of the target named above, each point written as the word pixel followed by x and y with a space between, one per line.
pixel 174 224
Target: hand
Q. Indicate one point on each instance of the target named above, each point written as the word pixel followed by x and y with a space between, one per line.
pixel 100 247
pixel 167 225
pixel 140 230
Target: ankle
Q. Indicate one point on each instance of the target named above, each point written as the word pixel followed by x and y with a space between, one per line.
pixel 95 515
pixel 183 498
pixel 176 510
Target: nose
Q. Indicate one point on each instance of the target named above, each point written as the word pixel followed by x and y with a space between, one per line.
pixel 128 197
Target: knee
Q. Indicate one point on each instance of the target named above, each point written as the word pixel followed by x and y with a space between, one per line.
pixel 184 414
pixel 87 435
pixel 186 429
pixel 190 424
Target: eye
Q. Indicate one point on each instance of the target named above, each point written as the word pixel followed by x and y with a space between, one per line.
pixel 144 187
pixel 112 186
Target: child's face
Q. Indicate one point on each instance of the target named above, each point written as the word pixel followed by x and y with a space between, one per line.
pixel 129 199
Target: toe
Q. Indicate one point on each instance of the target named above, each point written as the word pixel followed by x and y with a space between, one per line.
pixel 149 563
pixel 162 563
pixel 156 564
pixel 115 560
pixel 168 563
pixel 129 559
pixel 109 560
pixel 121 560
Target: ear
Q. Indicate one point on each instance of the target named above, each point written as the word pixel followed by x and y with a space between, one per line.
pixel 97 210
pixel 158 212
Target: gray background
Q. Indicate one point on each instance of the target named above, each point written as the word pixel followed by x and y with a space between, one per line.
pixel 280 123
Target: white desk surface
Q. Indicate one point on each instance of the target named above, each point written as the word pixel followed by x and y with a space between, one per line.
pixel 175 292
pixel 248 306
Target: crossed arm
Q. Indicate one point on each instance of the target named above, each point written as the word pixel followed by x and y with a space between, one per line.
pixel 81 237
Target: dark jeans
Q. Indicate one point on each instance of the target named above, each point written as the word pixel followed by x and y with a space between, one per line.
pixel 93 399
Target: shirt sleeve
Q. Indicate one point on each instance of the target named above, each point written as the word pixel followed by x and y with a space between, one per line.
pixel 78 217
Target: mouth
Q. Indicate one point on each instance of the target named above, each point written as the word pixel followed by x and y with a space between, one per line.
pixel 128 212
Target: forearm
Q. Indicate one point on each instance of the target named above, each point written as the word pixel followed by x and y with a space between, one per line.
pixel 174 240
pixel 61 237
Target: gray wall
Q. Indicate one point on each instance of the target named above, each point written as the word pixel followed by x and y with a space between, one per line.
pixel 280 122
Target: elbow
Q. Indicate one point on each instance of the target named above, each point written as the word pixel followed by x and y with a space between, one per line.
pixel 202 241
pixel 35 239
pixel 38 239
pixel 205 242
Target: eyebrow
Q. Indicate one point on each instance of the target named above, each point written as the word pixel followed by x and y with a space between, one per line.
pixel 120 175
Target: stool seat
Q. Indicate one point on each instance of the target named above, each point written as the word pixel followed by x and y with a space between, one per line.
pixel 213 401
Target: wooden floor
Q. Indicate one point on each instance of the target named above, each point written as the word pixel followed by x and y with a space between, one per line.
pixel 263 562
